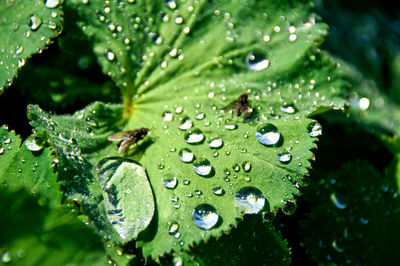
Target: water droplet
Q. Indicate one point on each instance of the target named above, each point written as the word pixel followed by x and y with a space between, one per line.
pixel 186 155
pixel 246 166
pixel 65 136
pixel 284 156
pixel 249 200
pixel 256 62
pixel 268 135
pixel 186 123
pixel 236 168
pixel 7 141
pixel 169 181
pixel 289 207
pixel 339 200
pixel 202 167
pixel 200 116
pixel 168 116
pixel 5 257
pixel 34 144
pixel 173 229
pixel 194 136
pixel 314 129
pixel 268 216
pixel 1 150
pixel 35 22
pixel 205 216
pixel 179 109
pixel 109 55
pixel 171 4
pixel 129 214
pixel 229 124
pixel 289 108
pixel 215 143
pixel 19 49
pixel 218 191
pixel 52 3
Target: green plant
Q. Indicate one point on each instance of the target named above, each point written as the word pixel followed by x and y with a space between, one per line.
pixel 201 168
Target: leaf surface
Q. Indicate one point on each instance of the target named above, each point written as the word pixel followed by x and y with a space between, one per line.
pixel 26 27
pixel 210 54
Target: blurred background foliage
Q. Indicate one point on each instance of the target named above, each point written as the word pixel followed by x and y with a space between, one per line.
pixel 350 212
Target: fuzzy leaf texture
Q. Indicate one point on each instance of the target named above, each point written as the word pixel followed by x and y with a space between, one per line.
pixel 26 27
pixel 178 65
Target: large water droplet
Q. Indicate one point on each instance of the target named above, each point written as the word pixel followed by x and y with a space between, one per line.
pixel 205 216
pixel 186 155
pixel 194 136
pixel 256 62
pixel 202 167
pixel 284 156
pixel 186 123
pixel 128 213
pixel 268 135
pixel 249 200
pixel 215 143
pixel 169 181
pixel 35 22
pixel 218 191
pixel 314 129
pixel 246 166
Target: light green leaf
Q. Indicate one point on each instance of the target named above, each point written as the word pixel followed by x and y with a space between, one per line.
pixel 222 50
pixel 26 27
pixel 27 165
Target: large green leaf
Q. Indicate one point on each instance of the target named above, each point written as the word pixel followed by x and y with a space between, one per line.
pixel 26 27
pixel 221 52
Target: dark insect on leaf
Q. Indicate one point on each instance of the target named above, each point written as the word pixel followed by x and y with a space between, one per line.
pixel 241 106
pixel 127 138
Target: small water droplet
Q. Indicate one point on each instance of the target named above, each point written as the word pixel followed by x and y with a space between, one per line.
pixel 236 168
pixel 284 156
pixel 34 144
pixel 215 143
pixel 194 136
pixel 1 150
pixel 173 229
pixel 339 200
pixel 289 108
pixel 268 135
pixel 35 22
pixel 19 49
pixel 268 216
pixel 314 129
pixel 7 141
pixel 249 200
pixel 65 136
pixel 205 216
pixel 186 155
pixel 289 207
pixel 168 116
pixel 246 166
pixel 200 116
pixel 5 257
pixel 186 123
pixel 109 55
pixel 169 181
pixel 218 191
pixel 52 3
pixel 256 62
pixel 229 124
pixel 202 167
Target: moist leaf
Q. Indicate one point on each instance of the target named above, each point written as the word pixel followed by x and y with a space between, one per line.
pixel 183 84
pixel 28 169
pixel 26 27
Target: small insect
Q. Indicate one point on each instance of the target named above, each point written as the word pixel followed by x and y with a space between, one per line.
pixel 127 138
pixel 241 106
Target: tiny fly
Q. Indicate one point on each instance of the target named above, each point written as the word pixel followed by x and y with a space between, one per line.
pixel 127 138
pixel 241 106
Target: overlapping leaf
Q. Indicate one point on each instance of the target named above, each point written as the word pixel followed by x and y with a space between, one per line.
pixel 187 61
pixel 26 28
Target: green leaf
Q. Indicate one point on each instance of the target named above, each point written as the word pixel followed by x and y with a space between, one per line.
pixel 250 243
pixel 33 234
pixel 222 50
pixel 357 207
pixel 26 27
pixel 27 166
